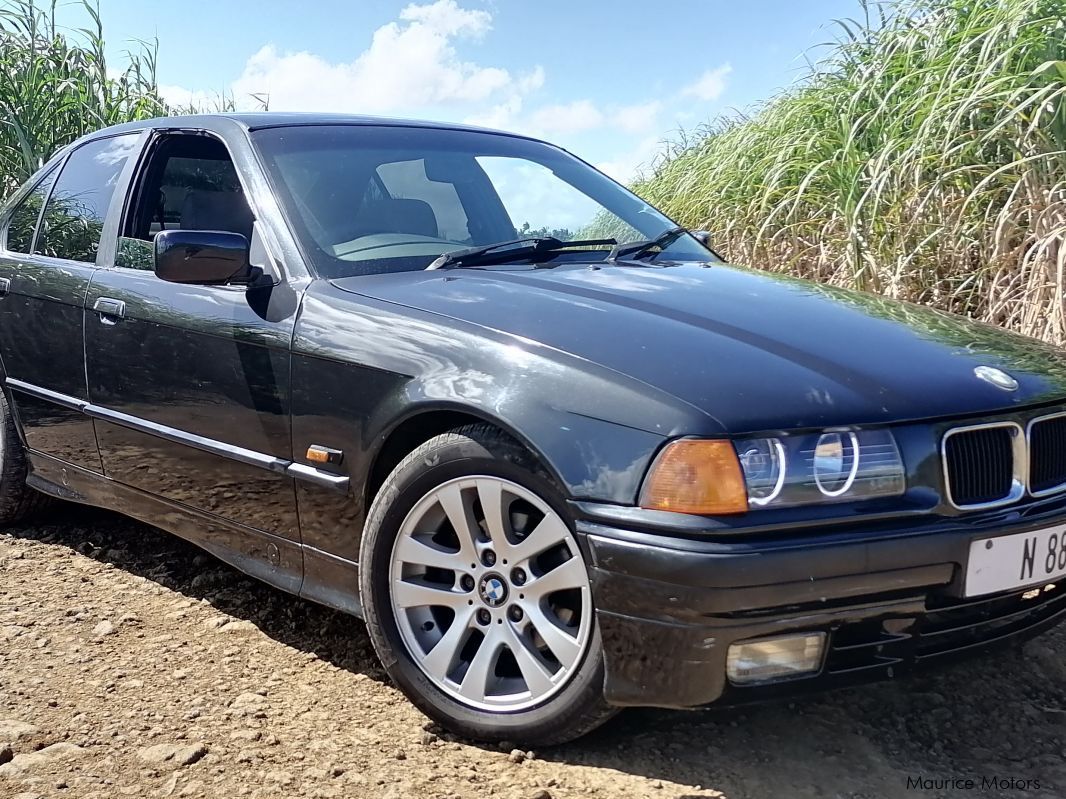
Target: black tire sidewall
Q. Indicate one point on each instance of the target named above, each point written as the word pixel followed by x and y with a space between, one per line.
pixel 457 457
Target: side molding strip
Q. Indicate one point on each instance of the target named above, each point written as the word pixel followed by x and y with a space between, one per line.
pixel 52 396
pixel 261 460
pixel 303 472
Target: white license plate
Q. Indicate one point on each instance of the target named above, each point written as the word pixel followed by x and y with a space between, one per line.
pixel 1016 561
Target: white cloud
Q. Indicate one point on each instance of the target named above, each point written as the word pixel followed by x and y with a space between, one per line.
pixel 631 163
pixel 638 118
pixel 572 117
pixel 411 64
pixel 710 85
pixel 414 66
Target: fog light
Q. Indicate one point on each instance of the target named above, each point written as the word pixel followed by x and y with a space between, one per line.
pixel 775 658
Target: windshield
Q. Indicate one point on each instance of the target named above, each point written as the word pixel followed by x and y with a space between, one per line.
pixel 366 200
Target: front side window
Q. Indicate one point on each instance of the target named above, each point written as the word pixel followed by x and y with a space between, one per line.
pixel 75 214
pixel 373 199
pixel 24 218
pixel 189 183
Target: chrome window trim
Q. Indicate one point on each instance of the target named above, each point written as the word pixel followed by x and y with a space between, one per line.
pixel 1019 471
pixel 271 463
pixel 1029 449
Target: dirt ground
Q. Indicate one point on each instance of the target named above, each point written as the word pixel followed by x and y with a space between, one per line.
pixel 132 664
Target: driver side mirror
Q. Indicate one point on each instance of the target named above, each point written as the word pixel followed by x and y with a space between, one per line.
pixel 702 236
pixel 205 257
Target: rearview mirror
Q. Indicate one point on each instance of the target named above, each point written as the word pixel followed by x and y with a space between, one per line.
pixel 201 256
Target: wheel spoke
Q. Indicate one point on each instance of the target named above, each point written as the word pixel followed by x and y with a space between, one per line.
pixel 569 574
pixel 412 550
pixel 407 594
pixel 564 646
pixel 491 495
pixel 549 532
pixel 536 675
pixel 439 660
pixel 476 680
pixel 462 521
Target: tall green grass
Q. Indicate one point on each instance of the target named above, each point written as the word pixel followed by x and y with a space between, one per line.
pixel 923 158
pixel 55 85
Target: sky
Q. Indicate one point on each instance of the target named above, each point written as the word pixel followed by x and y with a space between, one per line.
pixel 609 81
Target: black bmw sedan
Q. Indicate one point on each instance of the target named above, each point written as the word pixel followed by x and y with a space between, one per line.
pixel 558 456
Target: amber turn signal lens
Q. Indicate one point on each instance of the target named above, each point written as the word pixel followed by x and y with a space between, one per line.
pixel 696 476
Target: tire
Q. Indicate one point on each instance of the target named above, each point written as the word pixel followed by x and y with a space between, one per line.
pixel 17 500
pixel 491 688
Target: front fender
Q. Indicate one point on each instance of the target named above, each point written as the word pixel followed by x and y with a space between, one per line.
pixel 362 367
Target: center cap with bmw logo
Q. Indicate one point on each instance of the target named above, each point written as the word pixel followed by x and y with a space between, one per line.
pixel 493 590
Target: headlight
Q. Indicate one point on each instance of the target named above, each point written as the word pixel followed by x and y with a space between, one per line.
pixel 835 466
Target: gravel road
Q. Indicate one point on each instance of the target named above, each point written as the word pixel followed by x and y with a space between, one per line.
pixel 132 664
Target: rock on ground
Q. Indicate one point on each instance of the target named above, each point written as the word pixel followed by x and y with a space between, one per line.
pixel 204 683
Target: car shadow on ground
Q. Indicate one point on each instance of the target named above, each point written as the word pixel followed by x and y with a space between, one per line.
pixel 998 717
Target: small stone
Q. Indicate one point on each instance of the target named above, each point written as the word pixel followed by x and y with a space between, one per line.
pixel 280 777
pixel 541 794
pixel 428 738
pixel 104 628
pixel 216 622
pixel 516 756
pixel 399 754
pixel 7 754
pixel 244 627
pixel 173 755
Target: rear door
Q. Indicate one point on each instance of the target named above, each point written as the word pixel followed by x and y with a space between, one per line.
pixel 50 250
pixel 192 382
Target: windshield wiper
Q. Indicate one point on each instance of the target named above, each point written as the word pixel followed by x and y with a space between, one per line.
pixel 514 249
pixel 638 249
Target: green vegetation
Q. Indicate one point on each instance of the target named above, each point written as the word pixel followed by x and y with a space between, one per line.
pixel 923 158
pixel 56 86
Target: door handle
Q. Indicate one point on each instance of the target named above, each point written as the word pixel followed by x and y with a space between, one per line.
pixel 5 286
pixel 110 310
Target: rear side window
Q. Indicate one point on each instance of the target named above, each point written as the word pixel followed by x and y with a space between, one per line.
pixel 74 216
pixel 24 218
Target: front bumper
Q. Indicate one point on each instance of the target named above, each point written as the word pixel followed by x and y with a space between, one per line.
pixel 889 599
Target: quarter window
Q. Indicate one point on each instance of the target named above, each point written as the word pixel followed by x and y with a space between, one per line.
pixel 74 216
pixel 24 218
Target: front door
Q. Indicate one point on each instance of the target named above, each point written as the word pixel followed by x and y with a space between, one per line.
pixel 50 251
pixel 192 382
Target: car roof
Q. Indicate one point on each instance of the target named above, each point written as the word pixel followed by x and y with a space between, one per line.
pixel 257 120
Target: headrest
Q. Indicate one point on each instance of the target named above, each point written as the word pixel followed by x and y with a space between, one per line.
pixel 217 210
pixel 396 216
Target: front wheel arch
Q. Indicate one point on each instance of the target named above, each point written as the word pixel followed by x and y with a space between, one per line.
pixel 419 426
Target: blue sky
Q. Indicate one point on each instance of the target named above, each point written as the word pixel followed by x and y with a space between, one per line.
pixel 608 80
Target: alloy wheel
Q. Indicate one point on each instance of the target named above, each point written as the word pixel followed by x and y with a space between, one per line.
pixel 490 593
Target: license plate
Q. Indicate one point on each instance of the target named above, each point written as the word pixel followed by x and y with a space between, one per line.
pixel 1016 561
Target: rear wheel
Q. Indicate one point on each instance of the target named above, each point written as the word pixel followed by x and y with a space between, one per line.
pixel 17 500
pixel 477 596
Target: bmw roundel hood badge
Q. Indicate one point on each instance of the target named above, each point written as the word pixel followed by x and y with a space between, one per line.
pixel 996 377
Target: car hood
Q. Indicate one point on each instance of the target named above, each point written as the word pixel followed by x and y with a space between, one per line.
pixel 755 350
